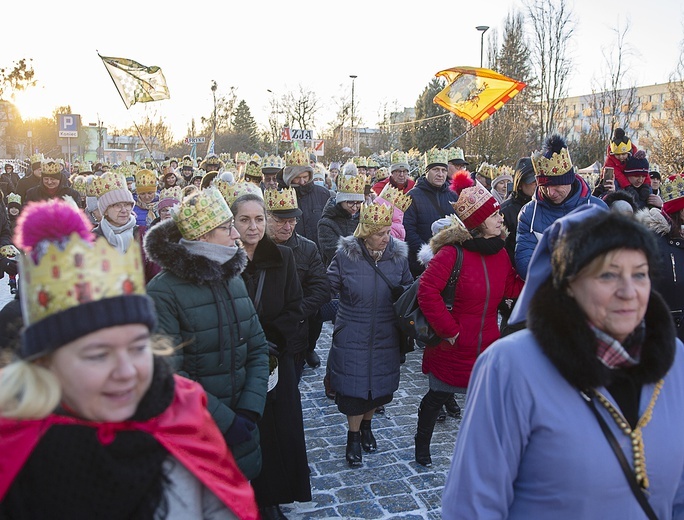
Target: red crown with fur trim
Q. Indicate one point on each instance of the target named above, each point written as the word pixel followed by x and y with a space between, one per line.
pixel 475 204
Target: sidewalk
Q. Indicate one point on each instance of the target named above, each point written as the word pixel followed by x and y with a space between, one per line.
pixel 389 484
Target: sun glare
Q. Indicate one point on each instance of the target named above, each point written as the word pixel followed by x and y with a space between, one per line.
pixel 32 103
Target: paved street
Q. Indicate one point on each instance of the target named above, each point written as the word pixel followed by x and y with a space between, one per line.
pixel 389 484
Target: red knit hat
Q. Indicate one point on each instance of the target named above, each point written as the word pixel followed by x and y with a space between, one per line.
pixel 475 203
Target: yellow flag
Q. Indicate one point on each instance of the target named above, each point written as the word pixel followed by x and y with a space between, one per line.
pixel 136 83
pixel 475 93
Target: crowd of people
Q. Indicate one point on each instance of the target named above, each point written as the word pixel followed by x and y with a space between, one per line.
pixel 163 314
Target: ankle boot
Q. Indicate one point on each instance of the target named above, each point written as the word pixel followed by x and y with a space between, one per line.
pixel 354 448
pixel 452 407
pixel 368 442
pixel 428 411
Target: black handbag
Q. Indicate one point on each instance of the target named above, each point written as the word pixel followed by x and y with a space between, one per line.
pixel 410 318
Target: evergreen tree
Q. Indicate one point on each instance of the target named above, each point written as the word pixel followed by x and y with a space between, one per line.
pixel 245 128
pixel 432 123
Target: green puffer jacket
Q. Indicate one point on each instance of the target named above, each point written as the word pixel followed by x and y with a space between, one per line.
pixel 204 307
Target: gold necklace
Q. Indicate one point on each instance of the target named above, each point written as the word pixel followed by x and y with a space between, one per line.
pixel 635 435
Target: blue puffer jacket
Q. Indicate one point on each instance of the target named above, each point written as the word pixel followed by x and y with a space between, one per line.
pixel 422 213
pixel 364 357
pixel 538 214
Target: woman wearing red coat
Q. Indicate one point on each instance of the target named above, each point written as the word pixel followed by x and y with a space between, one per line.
pixel 487 277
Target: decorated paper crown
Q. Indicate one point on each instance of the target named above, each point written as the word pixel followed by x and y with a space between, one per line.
pixel 553 164
pixel 376 215
pixel 297 158
pixel 172 193
pixel 232 192
pixel 37 158
pixel 488 170
pixel 127 169
pixel 255 158
pixel 285 199
pixel 397 157
pixel 174 159
pixel 436 156
pixel 381 174
pixel 351 184
pixel 672 193
pixel 273 161
pixel 52 166
pixel 506 170
pixel 211 163
pixel 454 154
pixel 187 162
pixel 85 168
pixel 620 143
pixel 107 182
pixel 198 215
pixel 145 181
pixel 360 161
pixel 80 184
pixel 14 198
pixel 253 170
pixel 200 173
pixel 372 163
pixel 9 251
pixel 395 197
pixel 242 157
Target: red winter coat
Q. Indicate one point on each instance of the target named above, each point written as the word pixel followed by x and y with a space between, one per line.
pixel 485 280
pixel 378 186
pixel 621 179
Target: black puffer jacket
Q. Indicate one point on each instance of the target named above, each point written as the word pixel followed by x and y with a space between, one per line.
pixel 311 199
pixel 335 223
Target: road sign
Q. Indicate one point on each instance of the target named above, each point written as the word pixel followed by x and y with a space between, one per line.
pixel 301 135
pixel 68 125
pixel 319 147
pixel 194 140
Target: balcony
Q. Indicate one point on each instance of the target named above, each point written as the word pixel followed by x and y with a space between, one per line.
pixel 635 125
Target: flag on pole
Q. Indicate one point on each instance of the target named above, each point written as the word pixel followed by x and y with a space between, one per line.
pixel 210 148
pixel 475 93
pixel 136 83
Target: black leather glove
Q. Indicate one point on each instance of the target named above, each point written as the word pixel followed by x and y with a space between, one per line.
pixel 9 266
pixel 240 431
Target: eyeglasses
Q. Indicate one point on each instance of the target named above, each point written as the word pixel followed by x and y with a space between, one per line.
pixel 122 205
pixel 354 202
pixel 227 226
pixel 282 221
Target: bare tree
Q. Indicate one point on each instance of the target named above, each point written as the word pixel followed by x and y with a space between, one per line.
pixel 18 78
pixel 552 29
pixel 300 109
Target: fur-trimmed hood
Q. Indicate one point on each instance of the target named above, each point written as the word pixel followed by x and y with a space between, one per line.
pixel 456 233
pixel 561 328
pixel 162 246
pixel 654 220
pixel 351 246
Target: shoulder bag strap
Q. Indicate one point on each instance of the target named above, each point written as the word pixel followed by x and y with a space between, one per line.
pixel 449 292
pixel 368 259
pixel 259 289
pixel 627 470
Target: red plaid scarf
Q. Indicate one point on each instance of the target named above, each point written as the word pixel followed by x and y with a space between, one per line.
pixel 615 355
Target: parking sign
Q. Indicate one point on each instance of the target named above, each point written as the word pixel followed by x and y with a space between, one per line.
pixel 68 125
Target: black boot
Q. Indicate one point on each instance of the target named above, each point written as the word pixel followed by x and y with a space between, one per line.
pixel 368 442
pixel 429 409
pixel 452 407
pixel 272 513
pixel 354 448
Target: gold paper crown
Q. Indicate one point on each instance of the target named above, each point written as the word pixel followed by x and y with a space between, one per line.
pixel 211 163
pixel 186 157
pixel 396 197
pixel 240 188
pixel 297 158
pixel 255 158
pixel 559 163
pixel 79 273
pixel 351 184
pixel 37 158
pixel 360 161
pixel 382 174
pixel 672 188
pixel 199 172
pixel 376 215
pixel 52 166
pixel 80 184
pixel 488 170
pixel 280 200
pixel 145 181
pixel 273 161
pixel 85 167
pixel 187 162
pixel 201 214
pixel 173 192
pixel 253 170
pixel 14 197
pixel 372 163
pixel 455 153
pixel 397 156
pixel 242 157
pixel 174 159
pixel 9 251
pixel 127 169
pixel 107 182
pixel 436 156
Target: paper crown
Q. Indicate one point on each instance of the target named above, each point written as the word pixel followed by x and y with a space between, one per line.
pixel 297 158
pixel 382 174
pixel 672 193
pixel 395 197
pixel 127 169
pixel 232 192
pixel 241 157
pixel 52 166
pixel 198 214
pixel 376 215
pixel 145 181
pixel 620 143
pixel 211 163
pixel 435 156
pixel 80 184
pixel 253 170
pixel 78 273
pixel 397 157
pixel 37 158
pixel 9 251
pixel 372 163
pixel 488 170
pixel 107 182
pixel 187 163
pixel 475 203
pixel 455 153
pixel 285 199
pixel 351 184
pixel 255 158
pixel 85 167
pixel 14 198
pixel 553 162
pixel 273 161
pixel 360 161
pixel 172 193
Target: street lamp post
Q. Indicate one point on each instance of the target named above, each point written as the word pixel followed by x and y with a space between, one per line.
pixel 483 29
pixel 353 77
pixel 213 91
pixel 277 129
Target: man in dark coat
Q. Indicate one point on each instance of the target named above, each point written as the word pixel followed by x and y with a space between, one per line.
pixel 31 178
pixel 312 276
pixel 9 180
pixel 52 185
pixel 524 184
pixel 431 201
